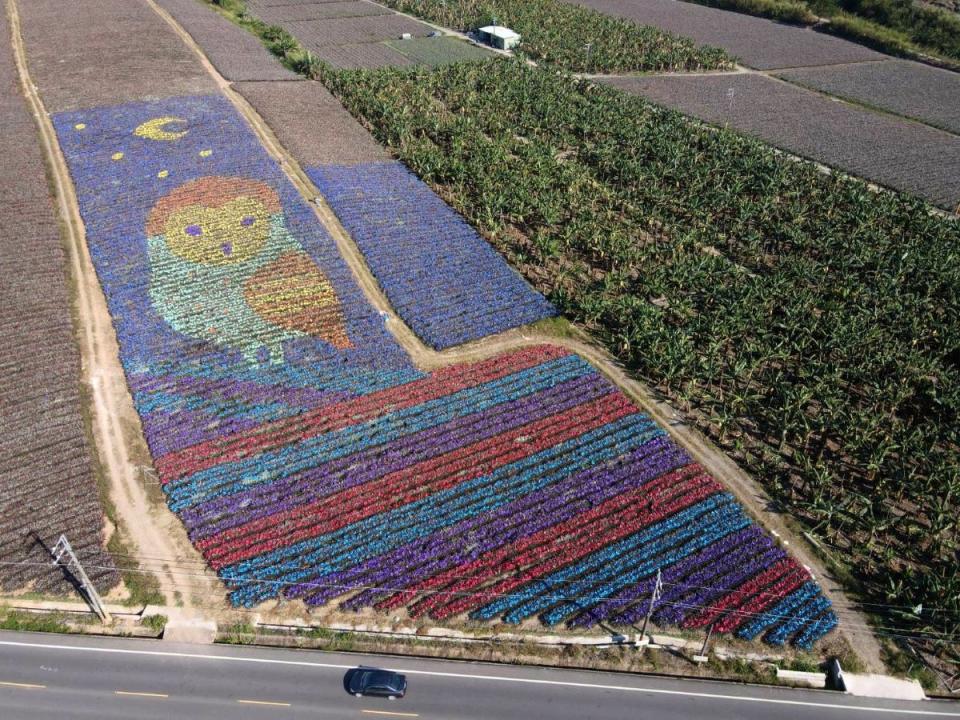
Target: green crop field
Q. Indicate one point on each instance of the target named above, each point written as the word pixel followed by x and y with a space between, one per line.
pixel 572 37
pixel 809 325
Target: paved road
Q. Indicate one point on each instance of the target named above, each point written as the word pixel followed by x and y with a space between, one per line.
pixel 55 676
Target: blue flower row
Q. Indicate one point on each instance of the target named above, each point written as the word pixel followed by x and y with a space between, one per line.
pixel 444 280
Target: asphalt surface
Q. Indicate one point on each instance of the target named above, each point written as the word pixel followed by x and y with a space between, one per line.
pixel 756 42
pixel 55 676
pixel 890 151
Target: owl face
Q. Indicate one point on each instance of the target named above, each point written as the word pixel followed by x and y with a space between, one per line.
pixel 216 221
pixel 227 235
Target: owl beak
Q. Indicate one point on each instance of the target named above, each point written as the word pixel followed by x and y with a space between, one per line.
pixel 227 248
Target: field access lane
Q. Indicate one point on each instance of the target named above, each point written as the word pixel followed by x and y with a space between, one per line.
pixel 52 676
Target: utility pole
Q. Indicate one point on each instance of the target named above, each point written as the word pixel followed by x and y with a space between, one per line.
pixel 73 566
pixel 703 657
pixel 657 592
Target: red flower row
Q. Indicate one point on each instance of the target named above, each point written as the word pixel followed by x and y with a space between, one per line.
pixel 351 412
pixel 410 484
pixel 731 601
pixel 536 562
pixel 763 600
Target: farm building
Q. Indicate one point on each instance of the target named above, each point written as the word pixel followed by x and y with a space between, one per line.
pixel 499 37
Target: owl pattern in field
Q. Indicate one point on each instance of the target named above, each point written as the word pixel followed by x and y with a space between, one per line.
pixel 224 269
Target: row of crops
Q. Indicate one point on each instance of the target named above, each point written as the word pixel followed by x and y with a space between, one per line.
pixel 318 464
pixel 446 282
pixel 807 323
pixel 573 37
pixel 47 484
pixel 523 486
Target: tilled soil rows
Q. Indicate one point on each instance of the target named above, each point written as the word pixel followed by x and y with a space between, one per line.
pixel 47 485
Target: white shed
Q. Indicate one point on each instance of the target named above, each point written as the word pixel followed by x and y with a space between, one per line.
pixel 499 37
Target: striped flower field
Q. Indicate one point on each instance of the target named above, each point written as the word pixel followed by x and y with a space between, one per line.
pixel 308 458
pixel 525 485
pixel 445 281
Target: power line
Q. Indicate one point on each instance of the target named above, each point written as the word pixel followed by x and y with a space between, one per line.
pixel 204 564
pixel 348 588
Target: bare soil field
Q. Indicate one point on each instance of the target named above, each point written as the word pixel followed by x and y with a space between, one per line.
pixel 47 484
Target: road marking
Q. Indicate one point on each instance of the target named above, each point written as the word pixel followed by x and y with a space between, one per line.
pixel 491 678
pixel 263 702
pixel 28 686
pixel 141 694
pixel 387 712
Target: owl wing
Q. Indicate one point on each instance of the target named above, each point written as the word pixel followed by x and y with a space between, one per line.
pixel 293 293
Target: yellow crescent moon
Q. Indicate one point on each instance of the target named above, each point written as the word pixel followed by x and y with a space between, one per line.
pixel 154 129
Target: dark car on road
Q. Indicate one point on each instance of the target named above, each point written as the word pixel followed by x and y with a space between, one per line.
pixel 379 683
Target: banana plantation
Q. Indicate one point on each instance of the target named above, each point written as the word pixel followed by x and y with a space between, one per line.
pixel 809 324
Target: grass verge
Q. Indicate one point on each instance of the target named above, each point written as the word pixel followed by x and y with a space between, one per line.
pixel 30 622
pixel 617 658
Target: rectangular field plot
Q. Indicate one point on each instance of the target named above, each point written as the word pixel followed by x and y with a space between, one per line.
pixel 435 51
pixel 234 52
pixel 280 14
pixel 312 124
pixel 307 457
pixel 445 281
pixel 47 485
pixel 317 34
pixel 362 56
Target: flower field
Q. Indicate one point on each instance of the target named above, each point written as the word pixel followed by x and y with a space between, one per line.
pixel 308 458
pixel 522 486
pixel 444 280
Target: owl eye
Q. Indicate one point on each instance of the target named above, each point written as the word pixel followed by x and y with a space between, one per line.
pixel 194 230
pixel 248 221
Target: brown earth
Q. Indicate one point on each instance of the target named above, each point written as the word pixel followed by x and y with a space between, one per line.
pixel 156 534
pixel 47 482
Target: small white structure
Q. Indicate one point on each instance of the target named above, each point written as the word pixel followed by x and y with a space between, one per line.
pixel 499 37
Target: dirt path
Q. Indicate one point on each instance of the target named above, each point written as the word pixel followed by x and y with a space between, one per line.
pixel 159 540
